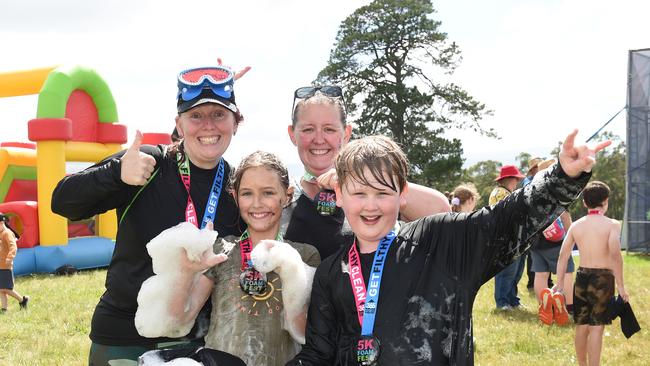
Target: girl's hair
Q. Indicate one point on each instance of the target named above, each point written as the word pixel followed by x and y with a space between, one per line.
pixel 319 98
pixel 380 155
pixel 461 194
pixel 267 160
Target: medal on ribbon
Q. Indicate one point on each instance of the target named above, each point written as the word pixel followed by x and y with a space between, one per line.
pixel 368 350
pixel 326 202
pixel 252 282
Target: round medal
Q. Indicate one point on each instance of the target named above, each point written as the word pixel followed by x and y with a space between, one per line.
pixel 252 281
pixel 326 202
pixel 368 350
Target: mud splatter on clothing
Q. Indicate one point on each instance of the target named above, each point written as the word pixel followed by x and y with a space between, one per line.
pixel 431 277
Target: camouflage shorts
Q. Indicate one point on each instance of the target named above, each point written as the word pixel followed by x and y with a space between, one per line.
pixel 593 289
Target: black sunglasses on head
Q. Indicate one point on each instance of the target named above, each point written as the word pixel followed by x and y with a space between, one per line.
pixel 305 92
pixel 309 91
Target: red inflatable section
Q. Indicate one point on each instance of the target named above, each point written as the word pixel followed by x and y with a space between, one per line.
pixel 22 190
pixel 23 217
pixel 24 145
pixel 156 138
pixel 82 112
pixel 43 129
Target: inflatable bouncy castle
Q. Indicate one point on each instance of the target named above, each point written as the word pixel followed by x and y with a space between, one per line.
pixel 76 121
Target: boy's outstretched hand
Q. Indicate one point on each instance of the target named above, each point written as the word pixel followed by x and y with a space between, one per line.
pixel 576 159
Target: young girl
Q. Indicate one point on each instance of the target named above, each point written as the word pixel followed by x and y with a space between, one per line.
pixel 245 322
pixel 464 198
pixel 7 254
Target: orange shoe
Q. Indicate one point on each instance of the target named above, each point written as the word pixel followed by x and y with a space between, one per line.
pixel 560 314
pixel 545 313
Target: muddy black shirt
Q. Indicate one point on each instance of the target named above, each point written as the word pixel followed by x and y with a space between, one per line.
pixel 159 206
pixel 432 274
pixel 302 223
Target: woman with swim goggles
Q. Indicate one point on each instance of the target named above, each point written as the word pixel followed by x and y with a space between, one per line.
pixel 154 188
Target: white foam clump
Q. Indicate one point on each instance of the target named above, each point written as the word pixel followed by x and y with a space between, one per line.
pixel 296 277
pixel 152 358
pixel 152 319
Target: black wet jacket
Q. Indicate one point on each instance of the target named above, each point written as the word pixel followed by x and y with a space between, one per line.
pixel 159 206
pixel 432 274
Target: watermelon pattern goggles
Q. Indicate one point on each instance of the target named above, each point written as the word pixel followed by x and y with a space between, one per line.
pixel 217 78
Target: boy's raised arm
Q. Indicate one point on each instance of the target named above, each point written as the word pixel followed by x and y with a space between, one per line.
pixel 512 223
pixel 614 247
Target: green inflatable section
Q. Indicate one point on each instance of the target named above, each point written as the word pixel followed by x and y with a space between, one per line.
pixel 61 82
pixel 15 172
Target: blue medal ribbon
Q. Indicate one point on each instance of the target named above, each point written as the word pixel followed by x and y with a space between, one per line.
pixel 215 192
pixel 374 283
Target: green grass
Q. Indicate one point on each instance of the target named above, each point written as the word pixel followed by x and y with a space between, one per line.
pixel 518 338
pixel 54 330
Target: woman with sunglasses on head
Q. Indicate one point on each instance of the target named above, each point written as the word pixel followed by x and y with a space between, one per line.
pixel 319 130
pixel 154 188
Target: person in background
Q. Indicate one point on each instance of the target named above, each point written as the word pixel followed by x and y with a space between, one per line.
pixel 532 170
pixel 464 198
pixel 8 251
pixel 505 282
pixel 601 267
pixel 319 130
pixel 545 251
pixel 154 188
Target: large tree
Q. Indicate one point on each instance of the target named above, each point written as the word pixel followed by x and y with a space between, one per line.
pixel 390 56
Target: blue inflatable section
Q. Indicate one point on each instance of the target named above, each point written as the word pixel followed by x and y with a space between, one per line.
pixel 81 253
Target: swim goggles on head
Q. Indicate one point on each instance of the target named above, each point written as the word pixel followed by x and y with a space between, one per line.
pixel 305 92
pixel 218 78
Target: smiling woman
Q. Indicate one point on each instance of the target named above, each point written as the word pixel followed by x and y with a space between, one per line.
pixel 319 131
pixel 154 188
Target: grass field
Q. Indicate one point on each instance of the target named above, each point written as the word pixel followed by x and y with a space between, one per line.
pixel 54 330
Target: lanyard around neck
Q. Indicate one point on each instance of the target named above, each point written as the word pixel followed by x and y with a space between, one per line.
pixel 309 177
pixel 211 207
pixel 367 300
pixel 246 247
pixel 594 212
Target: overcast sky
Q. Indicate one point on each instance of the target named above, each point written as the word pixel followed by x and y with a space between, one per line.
pixel 542 66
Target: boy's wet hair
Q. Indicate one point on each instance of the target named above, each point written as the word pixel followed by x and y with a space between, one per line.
pixel 264 159
pixel 380 155
pixel 319 98
pixel 595 193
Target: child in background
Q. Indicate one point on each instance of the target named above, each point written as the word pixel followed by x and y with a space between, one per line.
pixel 601 265
pixel 464 198
pixel 8 250
pixel 422 276
pixel 544 252
pixel 248 325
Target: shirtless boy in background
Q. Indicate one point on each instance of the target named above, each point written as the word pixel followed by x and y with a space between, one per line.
pixel 601 264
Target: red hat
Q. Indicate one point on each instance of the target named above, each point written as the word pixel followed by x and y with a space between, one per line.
pixel 509 171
